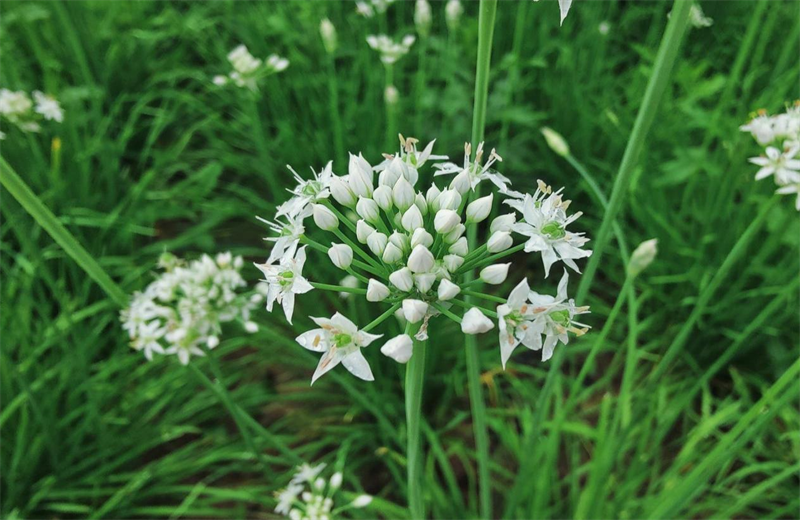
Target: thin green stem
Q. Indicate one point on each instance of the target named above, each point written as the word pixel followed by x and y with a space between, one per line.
pixel 470 305
pixel 492 258
pixel 50 223
pixel 415 377
pixel 483 296
pixel 383 317
pixel 340 215
pixel 357 249
pixel 667 54
pixel 338 288
pixel 446 312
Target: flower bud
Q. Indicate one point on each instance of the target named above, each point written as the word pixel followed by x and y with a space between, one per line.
pixel 461 182
pixel 360 176
pixel 341 192
pixel 430 197
pixel 403 194
pixel 555 141
pixel 445 221
pixel 422 17
pixel 361 501
pixel 341 255
pixel 392 254
pixel 414 310
pixel 376 243
pixel 503 223
pixel 412 219
pixel 448 199
pixel 474 322
pixel 499 241
pixel 642 257
pixel 392 173
pixel 383 197
pixel 421 203
pixel 399 348
pixel 479 209
pixel 368 210
pixel 391 96
pixel 402 279
pixel 376 291
pixel 421 237
pixel 452 262
pixel 336 478
pixel 452 13
pixel 324 218
pixel 424 281
pixel 460 248
pixel 448 290
pixel 400 240
pixel 495 274
pixel 420 260
pixel 454 234
pixel 328 33
pixel 363 231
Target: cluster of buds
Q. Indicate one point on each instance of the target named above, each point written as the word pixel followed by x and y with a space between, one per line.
pixel 248 70
pixel 310 497
pixel 780 137
pixel 409 247
pixel 25 113
pixel 182 310
pixel 390 51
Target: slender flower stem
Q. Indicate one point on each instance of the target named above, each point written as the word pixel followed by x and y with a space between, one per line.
pixel 340 215
pixel 337 288
pixel 488 10
pixel 483 296
pixel 470 305
pixel 490 259
pixel 473 254
pixel 380 319
pixel 667 53
pixel 50 223
pixel 355 247
pixel 446 312
pixel 324 249
pixel 357 275
pixel 415 376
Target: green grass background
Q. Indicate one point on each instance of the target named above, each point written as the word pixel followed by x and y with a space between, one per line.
pixel 153 157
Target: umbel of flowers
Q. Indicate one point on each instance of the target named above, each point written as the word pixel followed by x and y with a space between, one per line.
pixel 182 310
pixel 407 244
pixel 780 137
pixel 25 113
pixel 310 497
pixel 247 69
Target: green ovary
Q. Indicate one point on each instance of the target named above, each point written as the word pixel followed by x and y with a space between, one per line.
pixel 554 230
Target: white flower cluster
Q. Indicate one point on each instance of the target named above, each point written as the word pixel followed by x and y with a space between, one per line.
pixel 310 497
pixel 389 50
pixel 18 109
pixel 368 9
pixel 247 69
pixel 184 308
pixel 780 137
pixel 409 248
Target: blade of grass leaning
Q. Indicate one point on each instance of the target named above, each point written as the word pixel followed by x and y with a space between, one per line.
pixel 667 54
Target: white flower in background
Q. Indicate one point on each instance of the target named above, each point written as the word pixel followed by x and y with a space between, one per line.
pixel 340 341
pixel 18 108
pixel 545 224
pixel 328 33
pixel 452 13
pixel 553 318
pixel 247 69
pixel 514 319
pixel 782 165
pixel 642 257
pixel 181 312
pixel 389 50
pixel 311 497
pixel 48 107
pixel 697 17
pixel 391 96
pixel 351 282
pixel 413 252
pixel 604 28
pixel 423 17
pixel 285 280
pixel 365 9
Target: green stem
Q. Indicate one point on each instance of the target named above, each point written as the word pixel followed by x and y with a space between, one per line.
pixel 337 288
pixel 415 376
pixel 391 112
pixel 380 319
pixel 491 259
pixel 470 305
pixel 667 54
pixel 333 90
pixel 50 223
pixel 520 30
pixel 357 249
pixel 483 296
pixel 446 312
pixel 339 215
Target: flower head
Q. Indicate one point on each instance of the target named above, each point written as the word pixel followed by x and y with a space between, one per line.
pixel 389 50
pixel 285 280
pixel 248 70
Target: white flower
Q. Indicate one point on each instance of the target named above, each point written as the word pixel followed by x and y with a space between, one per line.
pixel 399 348
pixel 478 210
pixel 383 197
pixel 288 238
pixel 499 241
pixel 515 319
pixel 545 224
pixel 48 107
pixel 420 237
pixel 341 255
pixel 460 247
pixel 760 127
pixel 563 6
pixel 349 281
pixel 474 322
pixel 341 342
pixel 452 236
pixel 421 203
pixel 277 63
pixel 446 220
pixel 390 50
pixel 368 210
pixel 452 12
pixel 698 19
pixel 474 171
pixel 414 310
pixel 553 318
pixel 341 192
pixel 412 219
pixel 447 290
pixel 453 262
pixel 336 480
pixel 328 33
pixel 448 199
pixel 391 96
pixel 376 291
pixel 364 9
pixel 422 17
pixel 307 473
pixel 376 242
pixel 642 256
pixel 392 254
pixel 495 274
pixel 604 28
pixel 783 165
pixel 402 279
pixel 555 141
pixel 424 281
pixel 285 280
pixel 403 194
pixel 503 223
pixel 307 192
pixel 420 260
pixel 363 231
pixel 324 218
pixel 287 497
pixel 360 176
pixel 362 501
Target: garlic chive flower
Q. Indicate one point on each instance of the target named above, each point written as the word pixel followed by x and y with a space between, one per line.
pixel 422 17
pixel 389 50
pixel 18 109
pixel 248 70
pixel 780 137
pixel 328 33
pixel 181 312
pixel 309 496
pixel 407 243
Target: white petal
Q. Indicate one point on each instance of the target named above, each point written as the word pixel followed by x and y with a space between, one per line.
pixel 314 340
pixel 326 363
pixel 357 364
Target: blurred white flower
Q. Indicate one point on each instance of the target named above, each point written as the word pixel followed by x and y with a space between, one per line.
pixel 48 107
pixel 391 95
pixel 328 33
pixel 782 165
pixel 389 50
pixel 422 17
pixel 247 69
pixel 307 192
pixel 452 12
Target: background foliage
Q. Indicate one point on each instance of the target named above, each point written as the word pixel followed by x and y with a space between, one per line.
pixel 153 157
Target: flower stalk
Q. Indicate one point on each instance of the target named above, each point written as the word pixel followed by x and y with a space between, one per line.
pixel 415 377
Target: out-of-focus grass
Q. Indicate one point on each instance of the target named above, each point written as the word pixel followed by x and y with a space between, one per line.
pixel 154 157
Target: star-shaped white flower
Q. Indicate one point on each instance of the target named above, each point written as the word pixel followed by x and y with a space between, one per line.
pixel 285 280
pixel 289 233
pixel 341 342
pixel 514 319
pixel 781 164
pixel 307 192
pixel 473 169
